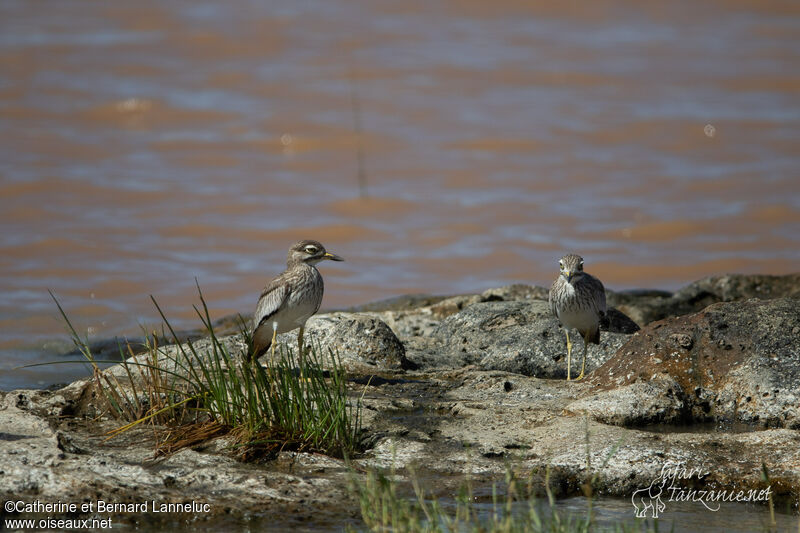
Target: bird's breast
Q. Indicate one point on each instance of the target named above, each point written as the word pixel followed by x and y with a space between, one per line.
pixel 580 319
pixel 575 308
pixel 306 298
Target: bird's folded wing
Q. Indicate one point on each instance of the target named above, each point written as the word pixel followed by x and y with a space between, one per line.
pixel 552 298
pixel 271 301
pixel 599 300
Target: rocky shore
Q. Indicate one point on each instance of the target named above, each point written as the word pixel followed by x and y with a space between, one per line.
pixel 707 377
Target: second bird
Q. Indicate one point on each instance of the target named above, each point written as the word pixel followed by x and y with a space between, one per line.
pixel 291 298
pixel 578 299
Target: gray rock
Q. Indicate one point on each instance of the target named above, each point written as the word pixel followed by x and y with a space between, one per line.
pixel 362 342
pixel 454 305
pixel 476 421
pixel 428 354
pixel 48 460
pixel 732 361
pixel 516 292
pixel 658 401
pixel 646 306
pixel 404 302
pixel 415 323
pixel 446 425
pixel 173 358
pixel 737 287
pixel 518 336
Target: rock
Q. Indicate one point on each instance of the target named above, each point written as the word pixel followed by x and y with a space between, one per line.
pixel 645 306
pixel 735 287
pixel 476 421
pixel 415 323
pixel 453 305
pixel 518 336
pixel 616 321
pixel 363 342
pixel 64 402
pixel 734 361
pixel 446 425
pixel 658 401
pixel 51 460
pixel 404 302
pixel 172 360
pixel 428 354
pixel 516 292
pixel 463 413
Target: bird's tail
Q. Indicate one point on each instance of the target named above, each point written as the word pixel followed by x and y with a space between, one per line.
pixel 605 320
pixel 262 340
pixel 593 336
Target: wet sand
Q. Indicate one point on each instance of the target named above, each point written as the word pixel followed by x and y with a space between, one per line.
pixel 144 146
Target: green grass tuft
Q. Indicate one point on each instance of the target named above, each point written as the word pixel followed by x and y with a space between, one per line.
pixel 196 394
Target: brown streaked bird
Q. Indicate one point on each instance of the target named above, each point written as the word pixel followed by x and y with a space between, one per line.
pixel 578 299
pixel 291 298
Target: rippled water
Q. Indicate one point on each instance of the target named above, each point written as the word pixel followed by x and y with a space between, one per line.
pixel 685 517
pixel 143 145
pixel 610 514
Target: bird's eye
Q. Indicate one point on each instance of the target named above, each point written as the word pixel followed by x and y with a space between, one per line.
pixel 311 250
pixel 561 264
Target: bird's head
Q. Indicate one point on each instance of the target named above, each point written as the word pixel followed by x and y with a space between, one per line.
pixel 571 266
pixel 309 252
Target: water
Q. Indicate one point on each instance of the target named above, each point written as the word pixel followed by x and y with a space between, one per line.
pixel 725 426
pixel 610 514
pixel 684 517
pixel 145 145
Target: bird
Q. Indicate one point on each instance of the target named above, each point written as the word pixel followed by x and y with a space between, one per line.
pixel 290 299
pixel 578 300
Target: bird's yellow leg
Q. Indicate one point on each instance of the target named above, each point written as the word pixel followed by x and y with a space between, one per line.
pixel 583 365
pixel 274 336
pixel 569 352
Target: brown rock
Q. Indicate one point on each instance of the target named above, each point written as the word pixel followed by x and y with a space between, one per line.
pixel 739 358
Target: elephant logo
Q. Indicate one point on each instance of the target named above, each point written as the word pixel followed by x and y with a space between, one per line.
pixel 649 499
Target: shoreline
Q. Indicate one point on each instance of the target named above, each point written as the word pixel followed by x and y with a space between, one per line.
pixel 469 384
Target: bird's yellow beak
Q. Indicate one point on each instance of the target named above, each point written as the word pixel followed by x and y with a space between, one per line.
pixel 332 257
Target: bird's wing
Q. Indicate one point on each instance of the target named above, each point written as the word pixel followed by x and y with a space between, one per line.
pixel 271 301
pixel 603 308
pixel 599 293
pixel 551 297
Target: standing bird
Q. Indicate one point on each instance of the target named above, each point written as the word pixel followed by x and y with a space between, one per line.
pixel 291 298
pixel 578 300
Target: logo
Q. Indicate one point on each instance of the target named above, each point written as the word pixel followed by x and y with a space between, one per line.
pixel 672 486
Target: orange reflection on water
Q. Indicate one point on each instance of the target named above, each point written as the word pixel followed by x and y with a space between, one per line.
pixel 144 146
